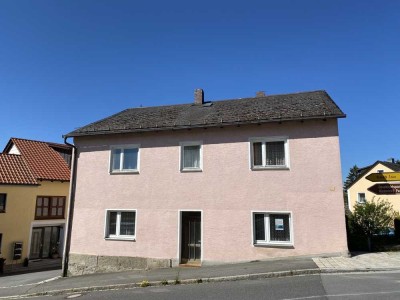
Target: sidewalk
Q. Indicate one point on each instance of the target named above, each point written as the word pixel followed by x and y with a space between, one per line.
pixel 33 266
pixel 274 268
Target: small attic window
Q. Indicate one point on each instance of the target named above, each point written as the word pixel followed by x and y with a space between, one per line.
pixel 14 150
pixel 380 171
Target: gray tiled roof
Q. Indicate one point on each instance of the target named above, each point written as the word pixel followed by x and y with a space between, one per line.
pixel 362 171
pixel 275 108
pixel 395 167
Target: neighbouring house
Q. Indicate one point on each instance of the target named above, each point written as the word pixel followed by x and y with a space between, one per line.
pixel 34 187
pixel 208 182
pixel 358 191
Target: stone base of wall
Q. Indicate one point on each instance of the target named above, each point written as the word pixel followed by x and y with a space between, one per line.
pixel 80 264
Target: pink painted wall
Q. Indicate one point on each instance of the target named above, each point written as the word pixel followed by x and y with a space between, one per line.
pixel 226 191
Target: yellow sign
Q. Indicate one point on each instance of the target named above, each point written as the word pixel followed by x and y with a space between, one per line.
pixel 389 176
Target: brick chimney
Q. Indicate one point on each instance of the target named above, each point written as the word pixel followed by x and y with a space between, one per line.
pixel 260 94
pixel 198 97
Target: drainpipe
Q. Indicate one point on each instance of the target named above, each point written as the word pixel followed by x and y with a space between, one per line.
pixel 71 201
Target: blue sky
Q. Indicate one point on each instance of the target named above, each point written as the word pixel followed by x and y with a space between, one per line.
pixel 64 64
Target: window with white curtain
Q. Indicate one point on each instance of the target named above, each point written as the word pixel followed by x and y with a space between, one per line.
pixel 269 153
pixel 124 159
pixel 191 156
pixel 120 224
pixel 361 198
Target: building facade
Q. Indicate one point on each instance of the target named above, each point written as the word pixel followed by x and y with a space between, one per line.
pixel 34 187
pixel 358 192
pixel 208 183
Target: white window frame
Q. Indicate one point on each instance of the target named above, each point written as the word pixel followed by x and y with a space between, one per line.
pixel 121 170
pixel 181 156
pixel 359 198
pixel 265 140
pixel 117 236
pixel 267 241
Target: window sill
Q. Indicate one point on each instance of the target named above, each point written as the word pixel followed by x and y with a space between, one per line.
pixel 274 245
pixel 124 172
pixel 132 239
pixel 191 170
pixel 269 168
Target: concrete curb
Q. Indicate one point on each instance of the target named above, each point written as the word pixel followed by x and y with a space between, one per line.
pixel 145 283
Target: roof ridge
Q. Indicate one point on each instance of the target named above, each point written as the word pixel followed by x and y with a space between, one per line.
pixel 36 141
pixel 303 105
pixel 219 100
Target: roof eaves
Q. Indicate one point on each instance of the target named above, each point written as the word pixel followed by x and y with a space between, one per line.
pixel 53 179
pixel 181 127
pixel 98 121
pixel 21 184
pixel 369 168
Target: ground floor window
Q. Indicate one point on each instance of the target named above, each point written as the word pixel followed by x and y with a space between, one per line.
pixel 361 198
pixel 120 224
pixel 272 228
pixel 46 242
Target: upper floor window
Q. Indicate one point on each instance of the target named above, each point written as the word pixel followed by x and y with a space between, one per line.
pixel 269 153
pixel 120 224
pixel 191 156
pixel 361 198
pixel 50 207
pixel 124 159
pixel 3 198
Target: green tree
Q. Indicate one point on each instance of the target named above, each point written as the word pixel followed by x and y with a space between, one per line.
pixel 372 217
pixel 353 175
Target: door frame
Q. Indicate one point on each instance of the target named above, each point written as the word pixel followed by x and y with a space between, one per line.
pixel 41 240
pixel 180 233
pixel 46 223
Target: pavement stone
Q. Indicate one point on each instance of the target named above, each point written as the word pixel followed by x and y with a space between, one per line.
pixel 360 261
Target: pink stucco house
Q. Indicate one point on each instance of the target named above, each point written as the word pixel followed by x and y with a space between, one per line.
pixel 208 182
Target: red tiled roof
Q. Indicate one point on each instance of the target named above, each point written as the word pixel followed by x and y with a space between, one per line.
pixel 14 170
pixel 44 162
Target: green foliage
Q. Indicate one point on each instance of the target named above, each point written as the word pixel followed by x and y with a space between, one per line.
pixel 145 283
pixel 372 217
pixel 354 172
pixel 164 282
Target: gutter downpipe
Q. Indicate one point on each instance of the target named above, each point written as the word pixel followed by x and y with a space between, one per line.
pixel 71 201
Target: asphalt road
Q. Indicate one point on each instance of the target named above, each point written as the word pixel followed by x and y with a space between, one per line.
pixel 377 285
